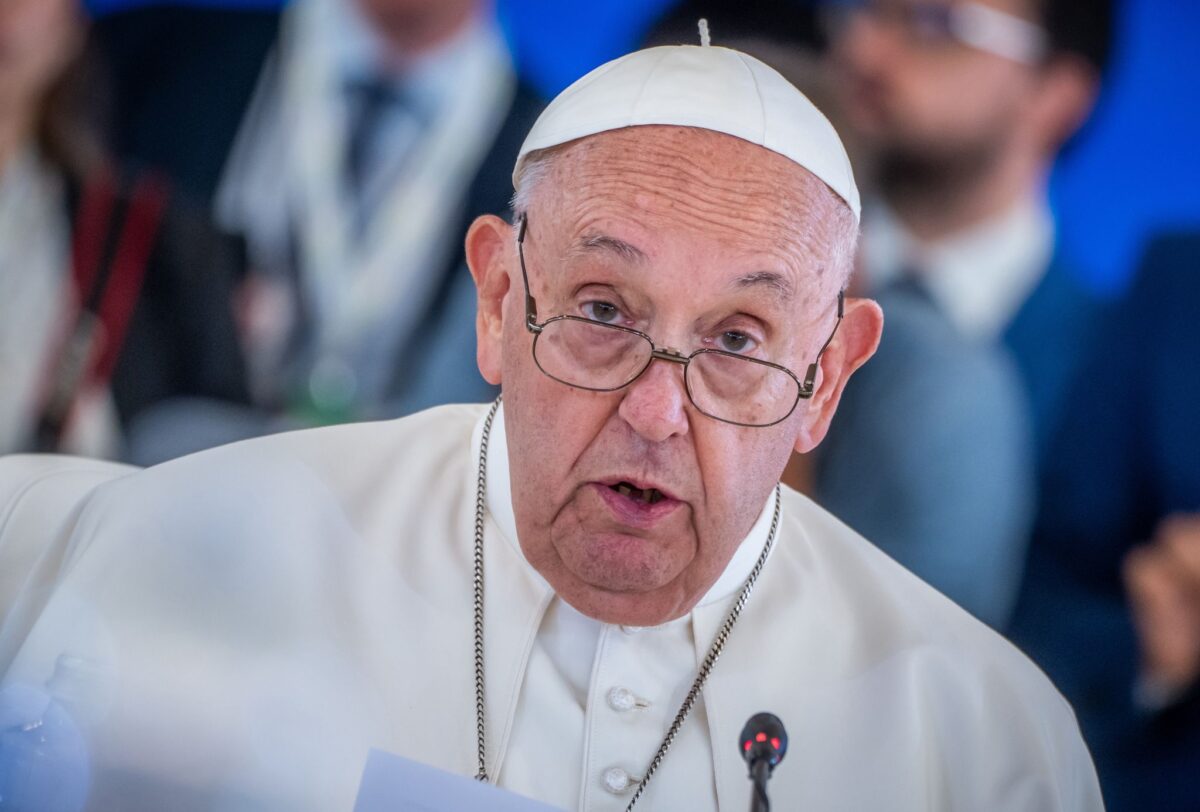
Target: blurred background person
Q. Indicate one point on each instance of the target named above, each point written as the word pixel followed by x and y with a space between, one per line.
pixel 958 109
pixel 933 452
pixel 349 142
pixel 962 106
pixel 112 296
pixel 1115 624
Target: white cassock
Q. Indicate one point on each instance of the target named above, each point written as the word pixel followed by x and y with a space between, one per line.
pixel 236 629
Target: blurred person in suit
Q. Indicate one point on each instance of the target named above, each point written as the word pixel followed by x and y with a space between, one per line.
pixel 1110 607
pixel 113 295
pixel 932 455
pixel 349 142
pixel 963 105
pixel 951 448
pixel 958 109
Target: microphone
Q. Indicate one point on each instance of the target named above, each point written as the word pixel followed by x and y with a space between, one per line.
pixel 763 745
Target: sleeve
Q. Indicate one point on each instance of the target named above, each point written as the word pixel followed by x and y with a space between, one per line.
pixel 41 497
pixel 1078 787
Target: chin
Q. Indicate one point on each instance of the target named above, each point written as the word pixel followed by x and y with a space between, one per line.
pixel 621 595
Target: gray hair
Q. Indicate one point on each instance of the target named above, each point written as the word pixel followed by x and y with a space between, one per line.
pixel 826 206
pixel 533 171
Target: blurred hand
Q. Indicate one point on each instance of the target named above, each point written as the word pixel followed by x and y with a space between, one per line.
pixel 1162 579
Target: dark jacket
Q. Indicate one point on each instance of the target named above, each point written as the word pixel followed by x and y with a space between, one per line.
pixel 1126 456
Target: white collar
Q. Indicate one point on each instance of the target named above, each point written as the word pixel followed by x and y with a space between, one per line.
pixel 499 505
pixel 979 277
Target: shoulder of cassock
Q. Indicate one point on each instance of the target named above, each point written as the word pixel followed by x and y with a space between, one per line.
pixel 251 619
pixel 871 648
pixel 52 508
pixel 260 514
pixel 867 664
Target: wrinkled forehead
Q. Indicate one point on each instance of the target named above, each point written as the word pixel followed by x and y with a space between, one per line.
pixel 690 182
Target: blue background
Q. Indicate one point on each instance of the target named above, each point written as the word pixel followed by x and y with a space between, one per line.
pixel 1136 169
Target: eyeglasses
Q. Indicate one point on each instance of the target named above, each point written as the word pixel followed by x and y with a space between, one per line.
pixel 942 23
pixel 601 357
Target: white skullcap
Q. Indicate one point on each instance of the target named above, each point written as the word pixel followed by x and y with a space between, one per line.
pixel 708 87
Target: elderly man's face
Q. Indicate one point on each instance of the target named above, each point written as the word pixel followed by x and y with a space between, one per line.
pixel 697 239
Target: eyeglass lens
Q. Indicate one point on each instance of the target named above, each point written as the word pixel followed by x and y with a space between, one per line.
pixel 589 355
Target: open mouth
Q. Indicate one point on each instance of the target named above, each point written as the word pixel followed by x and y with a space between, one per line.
pixel 648 495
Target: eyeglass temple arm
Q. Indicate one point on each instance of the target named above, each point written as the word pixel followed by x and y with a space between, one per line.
pixel 530 302
pixel 809 387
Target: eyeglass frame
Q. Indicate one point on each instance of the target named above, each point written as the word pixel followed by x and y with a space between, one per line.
pixel 970 24
pixel 805 389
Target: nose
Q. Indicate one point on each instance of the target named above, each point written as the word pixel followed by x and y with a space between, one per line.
pixel 655 405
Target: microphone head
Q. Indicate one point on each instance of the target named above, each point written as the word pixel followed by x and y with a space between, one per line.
pixel 763 739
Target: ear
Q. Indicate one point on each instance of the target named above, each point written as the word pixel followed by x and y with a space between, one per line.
pixel 856 340
pixel 488 248
pixel 1067 92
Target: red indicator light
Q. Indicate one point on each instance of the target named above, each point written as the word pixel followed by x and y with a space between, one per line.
pixel 746 746
pixel 760 737
pixel 775 743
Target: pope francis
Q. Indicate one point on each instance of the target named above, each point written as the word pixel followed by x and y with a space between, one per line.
pixel 579 595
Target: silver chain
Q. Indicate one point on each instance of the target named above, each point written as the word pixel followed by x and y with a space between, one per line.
pixel 480 502
pixel 706 667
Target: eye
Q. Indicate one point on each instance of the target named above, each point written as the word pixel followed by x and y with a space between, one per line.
pixel 734 341
pixel 605 312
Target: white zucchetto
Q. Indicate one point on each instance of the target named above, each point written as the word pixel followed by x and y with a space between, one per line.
pixel 712 88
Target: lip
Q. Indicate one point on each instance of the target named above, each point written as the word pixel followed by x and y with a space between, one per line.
pixel 632 512
pixel 641 484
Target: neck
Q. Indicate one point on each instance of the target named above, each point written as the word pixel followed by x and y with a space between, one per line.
pixel 934 208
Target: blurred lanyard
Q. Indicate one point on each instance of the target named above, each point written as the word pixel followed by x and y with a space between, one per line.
pixel 362 293
pixel 111 245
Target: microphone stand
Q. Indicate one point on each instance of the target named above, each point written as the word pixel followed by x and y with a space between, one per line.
pixel 763 744
pixel 759 773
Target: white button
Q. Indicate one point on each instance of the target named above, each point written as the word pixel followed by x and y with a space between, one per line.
pixel 630 629
pixel 617 781
pixel 621 698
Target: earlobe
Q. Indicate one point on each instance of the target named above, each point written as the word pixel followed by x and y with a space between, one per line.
pixel 1068 94
pixel 855 342
pixel 488 249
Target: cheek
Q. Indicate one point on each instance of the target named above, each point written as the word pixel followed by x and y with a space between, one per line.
pixel 740 467
pixel 555 421
pixel 549 425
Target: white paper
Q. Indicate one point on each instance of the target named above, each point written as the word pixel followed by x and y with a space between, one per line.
pixel 391 783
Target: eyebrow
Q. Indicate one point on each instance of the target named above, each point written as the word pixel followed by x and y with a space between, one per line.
pixel 607 244
pixel 776 281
